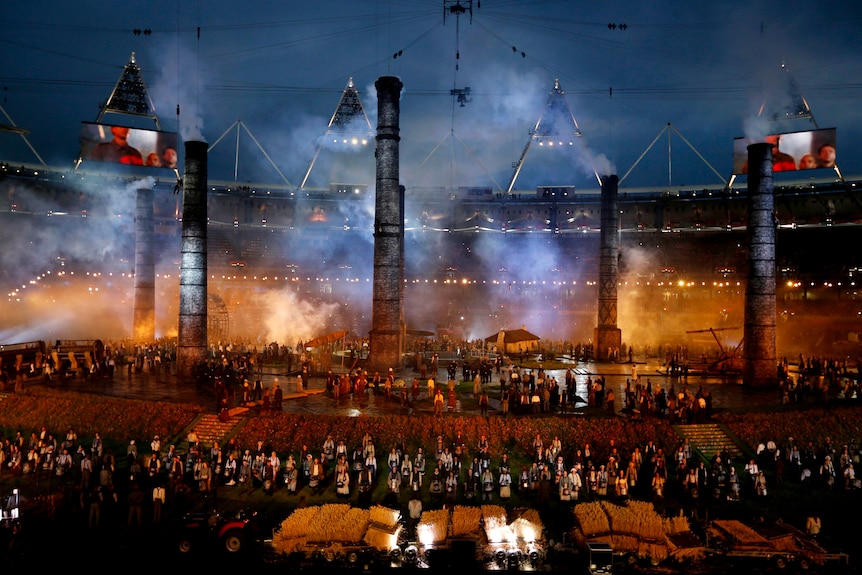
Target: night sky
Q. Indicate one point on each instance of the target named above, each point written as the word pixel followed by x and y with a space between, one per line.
pixel 273 73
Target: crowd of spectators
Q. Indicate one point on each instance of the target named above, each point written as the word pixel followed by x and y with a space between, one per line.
pixel 457 469
pixel 444 460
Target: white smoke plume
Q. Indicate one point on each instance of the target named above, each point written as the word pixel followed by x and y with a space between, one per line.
pixel 294 319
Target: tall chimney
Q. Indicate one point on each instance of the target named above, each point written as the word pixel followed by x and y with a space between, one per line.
pixel 192 338
pixel 760 368
pixel 608 337
pixel 386 340
pixel 144 317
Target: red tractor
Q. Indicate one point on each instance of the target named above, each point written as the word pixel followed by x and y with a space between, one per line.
pixel 208 531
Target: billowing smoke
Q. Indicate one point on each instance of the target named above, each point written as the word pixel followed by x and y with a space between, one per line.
pixel 293 318
pixel 756 128
pixel 89 224
pixel 176 89
pixel 650 316
pixel 73 269
pixel 638 270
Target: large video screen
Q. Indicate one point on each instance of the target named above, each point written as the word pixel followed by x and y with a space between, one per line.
pixel 809 150
pixel 132 146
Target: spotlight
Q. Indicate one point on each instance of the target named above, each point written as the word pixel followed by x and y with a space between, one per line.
pixel 514 558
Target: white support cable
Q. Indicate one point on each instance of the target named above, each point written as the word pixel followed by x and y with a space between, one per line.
pixel 23 133
pixel 666 129
pixel 238 124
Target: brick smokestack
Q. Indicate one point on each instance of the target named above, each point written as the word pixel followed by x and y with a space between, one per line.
pixel 144 318
pixel 607 335
pixel 760 368
pixel 386 340
pixel 192 339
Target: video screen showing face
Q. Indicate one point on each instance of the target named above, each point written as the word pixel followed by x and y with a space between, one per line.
pixel 130 146
pixel 808 150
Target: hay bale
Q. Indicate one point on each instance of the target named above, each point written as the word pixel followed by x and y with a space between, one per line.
pixel 338 522
pixel 433 526
pixel 740 532
pixel 592 518
pixel 465 520
pixel 384 516
pixel 384 539
pixel 528 526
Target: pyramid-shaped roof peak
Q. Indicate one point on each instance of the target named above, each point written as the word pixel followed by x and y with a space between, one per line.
pixel 349 125
pixel 557 119
pixel 130 95
pixel 556 127
pixel 349 116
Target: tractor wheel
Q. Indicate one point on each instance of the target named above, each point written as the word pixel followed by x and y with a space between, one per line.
pixel 234 541
pixel 184 546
